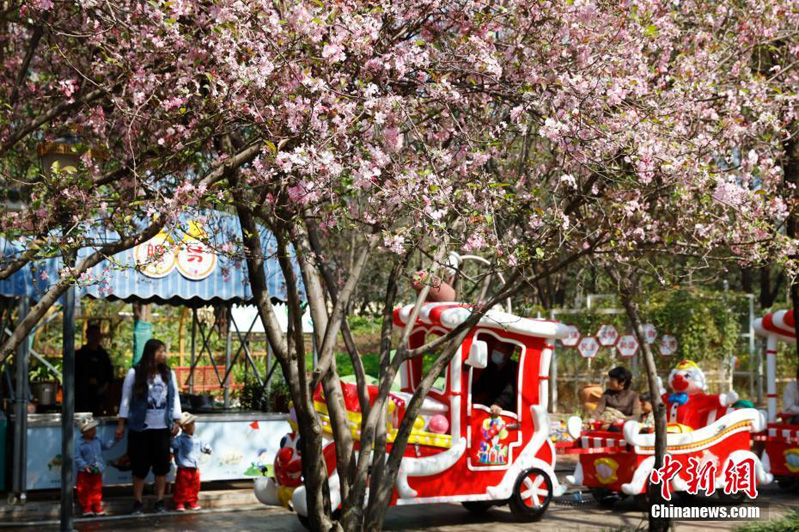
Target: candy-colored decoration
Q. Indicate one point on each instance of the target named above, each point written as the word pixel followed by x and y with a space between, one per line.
pixel 439 424
pixel 418 423
pixel 493 448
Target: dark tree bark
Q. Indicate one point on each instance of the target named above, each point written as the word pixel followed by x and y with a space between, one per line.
pixel 628 290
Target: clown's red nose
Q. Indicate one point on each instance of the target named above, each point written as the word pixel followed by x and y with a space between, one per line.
pixel 679 382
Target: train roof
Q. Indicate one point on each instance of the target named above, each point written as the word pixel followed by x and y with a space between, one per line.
pixel 779 324
pixel 450 315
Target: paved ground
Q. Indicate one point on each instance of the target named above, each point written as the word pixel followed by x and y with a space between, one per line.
pixel 443 518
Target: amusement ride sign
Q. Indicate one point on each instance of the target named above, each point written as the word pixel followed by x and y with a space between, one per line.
pixel 194 259
pixel 156 257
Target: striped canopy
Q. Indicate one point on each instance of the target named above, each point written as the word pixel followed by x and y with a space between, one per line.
pixel 180 276
pixel 779 324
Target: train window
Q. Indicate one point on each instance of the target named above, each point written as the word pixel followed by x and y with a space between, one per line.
pixel 497 384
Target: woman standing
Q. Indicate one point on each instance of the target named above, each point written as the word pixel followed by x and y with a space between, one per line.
pixel 151 407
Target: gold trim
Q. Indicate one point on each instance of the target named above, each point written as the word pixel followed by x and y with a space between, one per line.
pixel 702 443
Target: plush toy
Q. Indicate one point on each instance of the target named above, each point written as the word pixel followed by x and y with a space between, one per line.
pixel 688 404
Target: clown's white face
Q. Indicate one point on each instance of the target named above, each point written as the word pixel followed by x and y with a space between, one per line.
pixel 687 380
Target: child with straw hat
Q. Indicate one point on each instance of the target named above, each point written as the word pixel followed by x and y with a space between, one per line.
pixel 187 449
pixel 90 464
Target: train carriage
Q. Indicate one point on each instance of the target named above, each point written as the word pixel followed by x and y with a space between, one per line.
pixel 458 451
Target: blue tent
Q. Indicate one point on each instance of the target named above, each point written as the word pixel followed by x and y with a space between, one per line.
pixel 194 262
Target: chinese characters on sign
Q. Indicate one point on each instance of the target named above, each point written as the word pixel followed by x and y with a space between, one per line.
pixel 739 477
pixel 156 257
pixel 650 333
pixel 607 335
pixel 573 338
pixel 196 260
pixel 668 345
pixel 628 345
pixel 588 347
pixel 193 258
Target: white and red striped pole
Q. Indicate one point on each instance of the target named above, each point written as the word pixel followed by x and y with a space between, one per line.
pixel 771 377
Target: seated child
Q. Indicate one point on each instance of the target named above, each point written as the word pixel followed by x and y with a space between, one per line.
pixel 187 451
pixel 647 418
pixel 90 464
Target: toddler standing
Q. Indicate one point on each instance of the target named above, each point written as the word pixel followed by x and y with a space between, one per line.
pixel 90 464
pixel 187 451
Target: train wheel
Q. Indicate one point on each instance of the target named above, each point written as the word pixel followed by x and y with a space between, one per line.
pixel 532 494
pixel 478 507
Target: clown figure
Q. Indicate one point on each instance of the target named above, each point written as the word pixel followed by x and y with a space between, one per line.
pixel 688 404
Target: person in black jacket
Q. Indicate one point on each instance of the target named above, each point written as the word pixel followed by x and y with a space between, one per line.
pixel 93 373
pixel 496 385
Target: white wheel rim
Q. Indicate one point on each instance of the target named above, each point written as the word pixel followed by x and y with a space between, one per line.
pixel 532 492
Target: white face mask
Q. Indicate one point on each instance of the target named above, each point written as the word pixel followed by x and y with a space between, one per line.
pixel 497 357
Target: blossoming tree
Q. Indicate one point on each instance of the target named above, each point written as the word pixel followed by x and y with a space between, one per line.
pixel 533 134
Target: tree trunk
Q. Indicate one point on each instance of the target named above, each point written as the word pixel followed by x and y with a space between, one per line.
pixel 627 290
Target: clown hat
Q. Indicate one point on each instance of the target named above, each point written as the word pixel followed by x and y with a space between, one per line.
pixel 687 364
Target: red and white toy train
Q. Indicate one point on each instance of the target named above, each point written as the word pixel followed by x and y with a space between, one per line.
pixel 704 434
pixel 458 451
pixel 780 439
